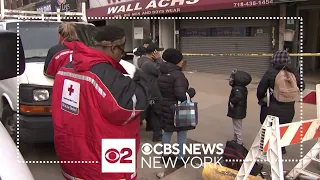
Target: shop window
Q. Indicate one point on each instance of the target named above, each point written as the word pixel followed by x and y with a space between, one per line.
pixel 145 24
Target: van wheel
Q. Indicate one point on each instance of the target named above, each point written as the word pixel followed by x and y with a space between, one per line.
pixel 11 126
pixel 9 123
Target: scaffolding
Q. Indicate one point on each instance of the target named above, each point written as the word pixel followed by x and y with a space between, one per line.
pixel 44 16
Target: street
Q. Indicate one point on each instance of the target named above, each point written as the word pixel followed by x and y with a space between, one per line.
pixel 214 127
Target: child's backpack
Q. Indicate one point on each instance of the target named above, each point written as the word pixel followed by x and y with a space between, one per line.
pixel 234 154
pixel 285 87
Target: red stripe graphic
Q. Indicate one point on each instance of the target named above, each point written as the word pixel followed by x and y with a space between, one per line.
pixel 317 135
pixel 300 133
pixel 283 131
pixel 266 147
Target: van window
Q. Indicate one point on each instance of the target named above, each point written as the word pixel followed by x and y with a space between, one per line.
pixel 38 37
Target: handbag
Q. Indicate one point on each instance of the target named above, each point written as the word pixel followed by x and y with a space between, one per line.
pixel 266 99
pixel 186 113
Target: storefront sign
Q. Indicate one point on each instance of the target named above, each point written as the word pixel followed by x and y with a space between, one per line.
pixel 65 5
pixel 154 7
pixel 215 32
pixel 44 6
pixel 52 5
pixel 151 6
pixel 252 3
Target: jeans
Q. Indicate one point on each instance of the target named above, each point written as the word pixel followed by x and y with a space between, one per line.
pixel 153 120
pixel 182 139
pixel 237 130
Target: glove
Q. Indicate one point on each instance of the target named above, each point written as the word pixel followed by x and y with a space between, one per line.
pixel 191 92
pixel 231 105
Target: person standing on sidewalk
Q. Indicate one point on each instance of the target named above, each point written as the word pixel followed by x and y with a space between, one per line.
pixel 92 100
pixel 283 110
pixel 173 87
pixel 237 105
pixel 149 64
pixel 140 51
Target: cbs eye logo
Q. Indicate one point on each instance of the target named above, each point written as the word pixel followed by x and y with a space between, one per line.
pixel 118 156
pixel 114 156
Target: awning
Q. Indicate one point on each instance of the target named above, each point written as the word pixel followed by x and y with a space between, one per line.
pixel 160 7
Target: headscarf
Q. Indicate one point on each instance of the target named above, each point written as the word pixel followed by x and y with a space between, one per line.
pixel 280 57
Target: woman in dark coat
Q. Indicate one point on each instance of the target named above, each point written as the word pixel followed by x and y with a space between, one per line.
pixel 173 86
pixel 283 110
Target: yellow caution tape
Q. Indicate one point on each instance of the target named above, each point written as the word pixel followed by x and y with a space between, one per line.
pixel 245 54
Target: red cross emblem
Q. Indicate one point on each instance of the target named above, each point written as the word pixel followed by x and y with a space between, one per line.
pixel 71 90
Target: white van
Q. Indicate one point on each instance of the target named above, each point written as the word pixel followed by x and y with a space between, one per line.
pixel 29 116
pixel 35 123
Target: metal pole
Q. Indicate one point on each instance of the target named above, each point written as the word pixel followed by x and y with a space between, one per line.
pixel 2 8
pixel 58 15
pixel 83 10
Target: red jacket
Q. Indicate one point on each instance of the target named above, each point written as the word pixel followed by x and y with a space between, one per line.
pixel 104 110
pixel 58 56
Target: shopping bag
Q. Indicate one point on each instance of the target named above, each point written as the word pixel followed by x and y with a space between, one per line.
pixel 186 113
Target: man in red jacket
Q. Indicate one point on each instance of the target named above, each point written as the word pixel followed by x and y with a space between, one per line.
pixel 92 100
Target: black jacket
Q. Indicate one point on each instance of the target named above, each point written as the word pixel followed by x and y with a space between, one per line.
pixel 238 98
pixel 237 104
pixel 173 87
pixel 151 69
pixel 285 111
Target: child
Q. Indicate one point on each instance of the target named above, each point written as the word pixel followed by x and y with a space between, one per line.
pixel 237 105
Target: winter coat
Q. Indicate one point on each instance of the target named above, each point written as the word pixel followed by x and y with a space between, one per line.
pixel 173 87
pixel 285 111
pixel 238 98
pixel 103 109
pixel 237 104
pixel 151 69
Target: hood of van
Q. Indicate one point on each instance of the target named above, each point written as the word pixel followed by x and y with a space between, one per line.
pixel 34 73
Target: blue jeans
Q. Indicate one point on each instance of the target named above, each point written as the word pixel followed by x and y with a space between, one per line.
pixel 182 139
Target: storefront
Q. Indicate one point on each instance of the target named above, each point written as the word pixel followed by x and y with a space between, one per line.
pixel 204 36
pixel 229 36
pixel 310 12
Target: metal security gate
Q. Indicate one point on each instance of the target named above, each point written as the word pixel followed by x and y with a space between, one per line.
pixel 250 36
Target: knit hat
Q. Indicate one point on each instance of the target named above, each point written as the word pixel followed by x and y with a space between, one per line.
pixel 172 55
pixel 280 57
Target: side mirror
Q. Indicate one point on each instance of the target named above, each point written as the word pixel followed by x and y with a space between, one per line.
pixel 11 64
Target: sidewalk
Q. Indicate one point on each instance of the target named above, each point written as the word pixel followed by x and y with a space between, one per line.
pixel 215 127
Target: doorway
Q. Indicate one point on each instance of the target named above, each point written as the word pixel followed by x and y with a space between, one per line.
pixel 167 38
pixel 311 43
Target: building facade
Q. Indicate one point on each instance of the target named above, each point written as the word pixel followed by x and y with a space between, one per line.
pixel 45 5
pixel 215 36
pixel 194 36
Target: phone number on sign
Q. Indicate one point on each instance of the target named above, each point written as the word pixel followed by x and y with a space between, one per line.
pixel 252 3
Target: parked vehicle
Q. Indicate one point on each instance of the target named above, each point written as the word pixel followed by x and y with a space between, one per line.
pixel 30 105
pixel 11 160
